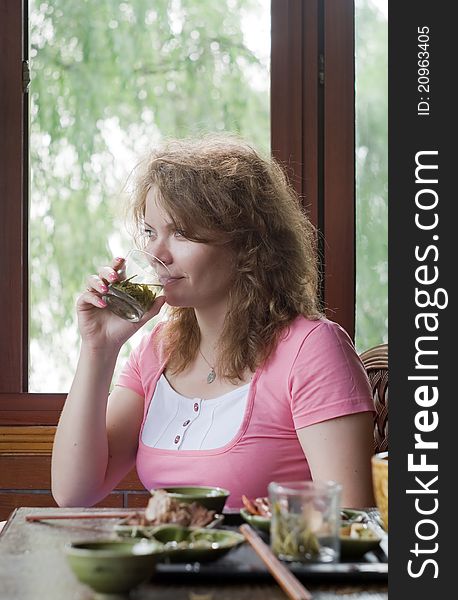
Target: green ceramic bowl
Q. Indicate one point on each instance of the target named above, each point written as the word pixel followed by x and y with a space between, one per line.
pixel 213 498
pixel 113 567
pixel 353 515
pixel 258 521
pixel 353 548
pixel 185 544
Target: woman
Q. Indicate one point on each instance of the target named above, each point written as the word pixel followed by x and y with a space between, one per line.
pixel 245 382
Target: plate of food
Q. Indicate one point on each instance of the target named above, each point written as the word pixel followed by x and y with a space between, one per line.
pixel 257 512
pixel 164 509
pixel 190 544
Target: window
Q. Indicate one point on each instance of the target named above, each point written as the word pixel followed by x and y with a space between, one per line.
pixel 371 53
pixel 312 134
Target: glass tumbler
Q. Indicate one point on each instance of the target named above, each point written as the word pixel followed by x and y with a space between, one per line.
pixel 305 521
pixel 141 278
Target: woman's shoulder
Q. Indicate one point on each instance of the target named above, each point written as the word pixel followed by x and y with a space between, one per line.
pixel 316 352
pixel 315 340
pixel 321 345
pixel 304 336
pixel 303 328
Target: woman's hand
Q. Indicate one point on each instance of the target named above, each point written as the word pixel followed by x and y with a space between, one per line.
pixel 98 326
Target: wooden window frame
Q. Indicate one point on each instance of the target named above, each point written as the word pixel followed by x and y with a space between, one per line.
pixel 312 135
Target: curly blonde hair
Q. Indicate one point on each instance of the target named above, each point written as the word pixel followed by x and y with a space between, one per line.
pixel 219 190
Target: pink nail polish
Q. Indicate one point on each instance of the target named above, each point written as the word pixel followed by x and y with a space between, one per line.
pixel 101 303
pixel 104 288
pixel 112 277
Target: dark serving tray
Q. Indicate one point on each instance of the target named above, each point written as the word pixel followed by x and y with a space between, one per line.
pixel 243 563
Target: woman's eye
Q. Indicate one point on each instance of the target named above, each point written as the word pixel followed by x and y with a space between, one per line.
pixel 179 233
pixel 148 236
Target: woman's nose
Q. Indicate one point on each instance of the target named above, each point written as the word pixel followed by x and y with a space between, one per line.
pixel 159 250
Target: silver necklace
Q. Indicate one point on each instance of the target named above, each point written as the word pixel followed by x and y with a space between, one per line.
pixel 212 375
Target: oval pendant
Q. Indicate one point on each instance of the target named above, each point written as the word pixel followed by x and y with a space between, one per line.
pixel 211 376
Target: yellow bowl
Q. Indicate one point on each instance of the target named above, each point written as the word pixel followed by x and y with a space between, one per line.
pixel 380 483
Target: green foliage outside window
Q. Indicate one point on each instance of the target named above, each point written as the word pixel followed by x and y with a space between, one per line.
pixel 109 78
pixel 371 175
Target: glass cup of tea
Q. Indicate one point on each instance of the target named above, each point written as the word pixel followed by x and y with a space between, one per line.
pixel 141 278
pixel 305 524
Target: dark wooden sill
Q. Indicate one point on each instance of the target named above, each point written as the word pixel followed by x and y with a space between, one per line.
pixel 30 409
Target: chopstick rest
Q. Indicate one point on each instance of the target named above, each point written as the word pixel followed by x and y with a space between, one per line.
pixel 292 587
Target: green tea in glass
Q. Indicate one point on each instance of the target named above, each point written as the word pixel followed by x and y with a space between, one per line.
pixel 139 284
pixel 305 521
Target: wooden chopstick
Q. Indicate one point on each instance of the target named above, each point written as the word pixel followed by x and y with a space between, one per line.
pixel 289 583
pixel 80 515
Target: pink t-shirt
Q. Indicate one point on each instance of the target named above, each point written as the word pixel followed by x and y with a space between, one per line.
pixel 313 375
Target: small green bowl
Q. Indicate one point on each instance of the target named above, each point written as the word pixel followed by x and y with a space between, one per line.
pixel 200 545
pixel 213 498
pixel 352 548
pixel 112 567
pixel 258 521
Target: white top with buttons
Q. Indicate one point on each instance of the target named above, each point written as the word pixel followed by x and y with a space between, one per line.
pixel 175 422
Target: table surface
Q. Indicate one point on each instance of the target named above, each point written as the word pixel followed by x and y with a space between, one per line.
pixel 33 565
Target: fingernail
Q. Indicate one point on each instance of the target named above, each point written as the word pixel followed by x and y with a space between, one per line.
pixel 119 258
pixel 101 302
pixel 112 277
pixel 103 288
